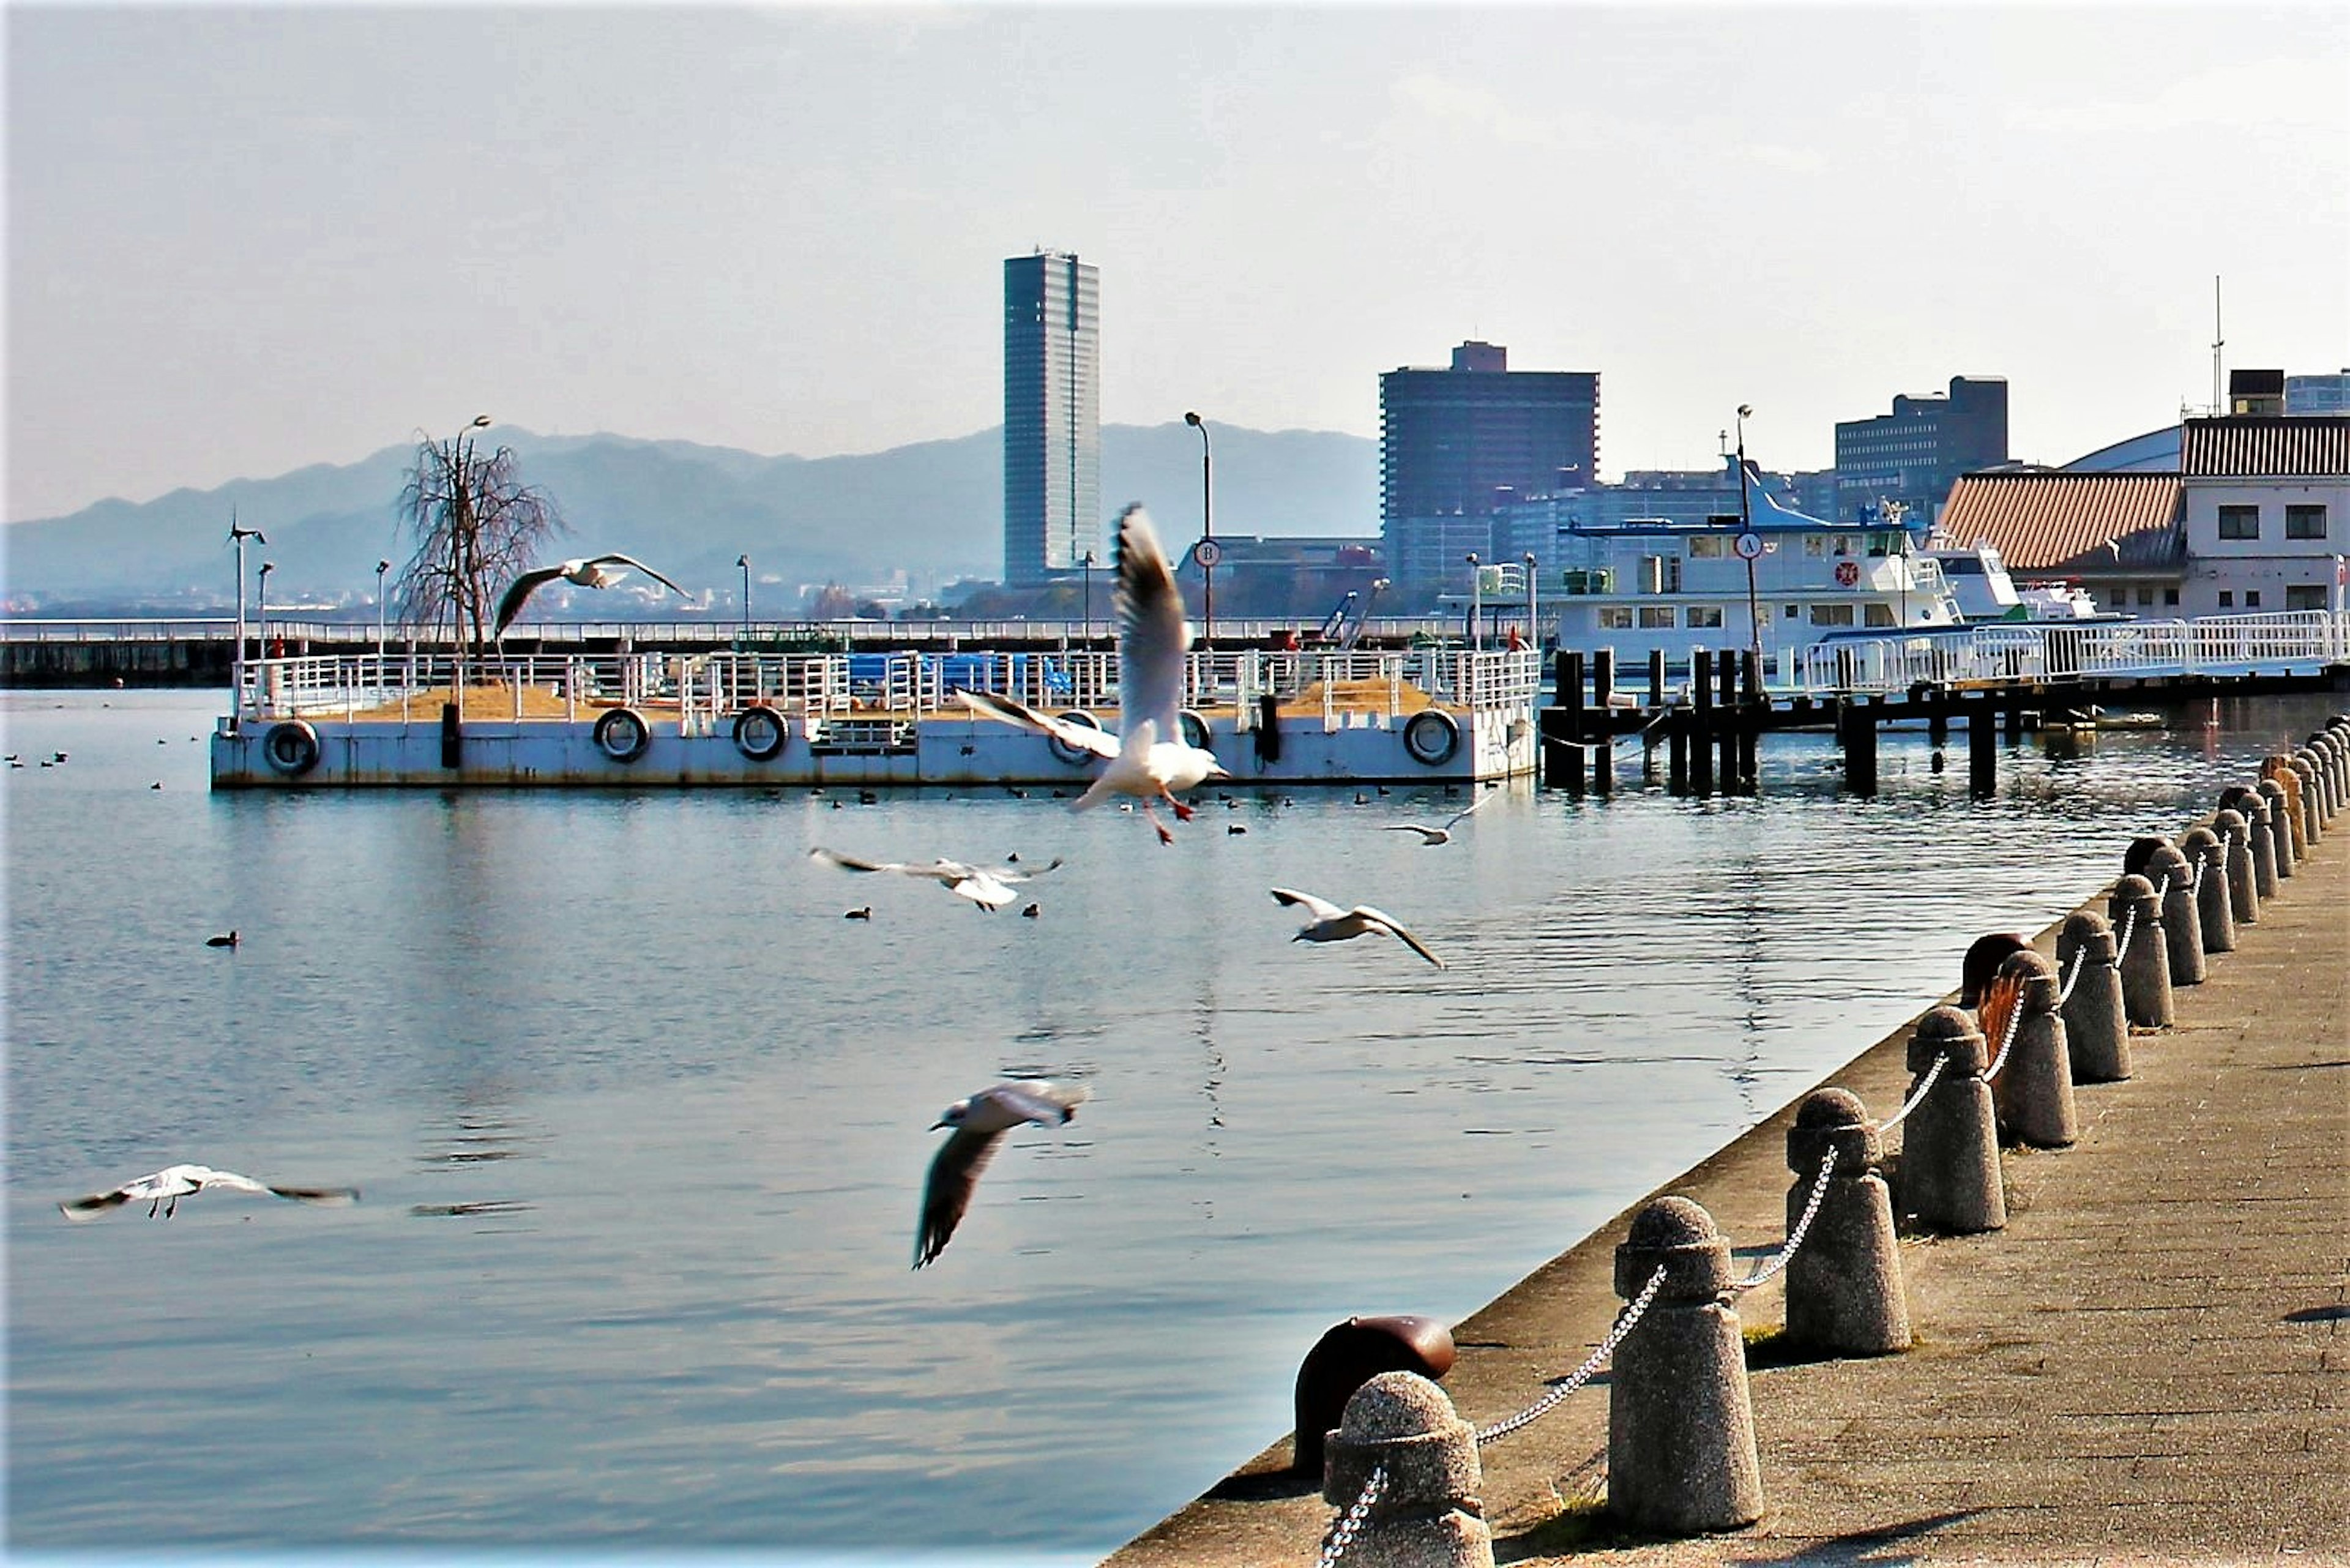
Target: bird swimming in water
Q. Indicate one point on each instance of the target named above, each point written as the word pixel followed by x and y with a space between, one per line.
pixel 980 1123
pixel 226 939
pixel 1148 757
pixel 1031 912
pixel 165 1188
pixel 989 887
pixel 587 571
pixel 864 914
pixel 1332 924
pixel 1433 836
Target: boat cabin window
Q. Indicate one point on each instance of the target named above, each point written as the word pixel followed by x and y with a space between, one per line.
pixel 1877 615
pixel 1704 614
pixel 1832 615
pixel 1615 617
pixel 1653 616
pixel 1882 545
pixel 1708 547
pixel 1790 612
pixel 1962 567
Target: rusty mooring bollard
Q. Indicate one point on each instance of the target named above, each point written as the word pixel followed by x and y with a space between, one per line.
pixel 1428 1513
pixel 1950 1145
pixel 2145 954
pixel 1349 1355
pixel 2277 768
pixel 2278 801
pixel 1844 1283
pixel 2097 1029
pixel 2033 1092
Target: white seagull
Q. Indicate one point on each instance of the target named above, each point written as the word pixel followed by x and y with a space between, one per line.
pixel 1332 924
pixel 989 887
pixel 980 1123
pixel 587 571
pixel 1148 758
pixel 165 1188
pixel 1432 835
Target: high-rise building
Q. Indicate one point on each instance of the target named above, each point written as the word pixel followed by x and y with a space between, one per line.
pixel 2327 394
pixel 1052 416
pixel 1915 453
pixel 1456 445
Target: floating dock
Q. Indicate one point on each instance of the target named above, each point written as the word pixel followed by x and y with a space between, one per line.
pixel 748 718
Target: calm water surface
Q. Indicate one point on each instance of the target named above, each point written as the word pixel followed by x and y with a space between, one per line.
pixel 640 1120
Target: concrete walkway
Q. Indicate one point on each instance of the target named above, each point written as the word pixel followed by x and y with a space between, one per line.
pixel 2149 1365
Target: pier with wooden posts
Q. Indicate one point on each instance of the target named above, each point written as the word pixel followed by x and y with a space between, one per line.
pixel 1705 720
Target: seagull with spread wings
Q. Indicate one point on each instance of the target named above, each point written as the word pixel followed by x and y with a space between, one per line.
pixel 980 1123
pixel 989 887
pixel 1332 924
pixel 587 571
pixel 1433 836
pixel 1148 757
pixel 165 1188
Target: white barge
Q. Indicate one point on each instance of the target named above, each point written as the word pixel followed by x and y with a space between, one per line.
pixel 1444 714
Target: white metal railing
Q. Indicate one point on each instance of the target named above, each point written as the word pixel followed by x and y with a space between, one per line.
pixel 2058 650
pixel 768 636
pixel 703 688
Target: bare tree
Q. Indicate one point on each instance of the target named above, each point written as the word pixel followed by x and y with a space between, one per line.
pixel 476 526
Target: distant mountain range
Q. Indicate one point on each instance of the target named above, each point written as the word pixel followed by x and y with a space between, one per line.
pixel 928 514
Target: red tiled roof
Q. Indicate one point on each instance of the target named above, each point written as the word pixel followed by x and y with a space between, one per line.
pixel 2290 446
pixel 2064 522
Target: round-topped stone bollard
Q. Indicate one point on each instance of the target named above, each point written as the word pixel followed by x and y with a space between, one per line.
pixel 2214 915
pixel 2096 1028
pixel 2243 898
pixel 2312 806
pixel 1429 1514
pixel 1950 1145
pixel 1844 1283
pixel 2278 769
pixel 2182 932
pixel 2144 954
pixel 2277 801
pixel 1681 1421
pixel 2246 801
pixel 1349 1355
pixel 2032 1091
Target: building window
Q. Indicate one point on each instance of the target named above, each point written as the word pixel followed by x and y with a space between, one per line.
pixel 1704 616
pixel 2304 522
pixel 2227 599
pixel 2170 595
pixel 1615 617
pixel 2239 521
pixel 1790 612
pixel 2251 598
pixel 2305 597
pixel 1832 615
pixel 1876 614
pixel 1653 616
pixel 2145 597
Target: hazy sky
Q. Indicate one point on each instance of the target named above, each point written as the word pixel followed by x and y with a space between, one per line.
pixel 244 240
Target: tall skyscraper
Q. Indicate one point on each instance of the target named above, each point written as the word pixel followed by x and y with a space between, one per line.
pixel 1052 416
pixel 1456 445
pixel 1914 454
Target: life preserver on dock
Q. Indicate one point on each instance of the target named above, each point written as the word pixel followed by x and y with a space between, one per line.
pixel 1195 729
pixel 760 733
pixel 623 734
pixel 1074 756
pixel 290 748
pixel 1431 737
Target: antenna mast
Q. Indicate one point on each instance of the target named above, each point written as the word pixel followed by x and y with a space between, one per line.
pixel 2218 341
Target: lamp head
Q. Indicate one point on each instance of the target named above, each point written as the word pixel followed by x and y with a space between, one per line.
pixel 1746 411
pixel 743 561
pixel 382 567
pixel 1190 419
pixel 479 420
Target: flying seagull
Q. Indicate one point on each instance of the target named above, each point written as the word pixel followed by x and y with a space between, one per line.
pixel 1332 924
pixel 165 1188
pixel 980 1123
pixel 587 571
pixel 1148 758
pixel 989 887
pixel 1432 835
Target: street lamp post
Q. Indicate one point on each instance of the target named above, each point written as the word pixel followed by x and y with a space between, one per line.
pixel 1208 531
pixel 260 610
pixel 1534 606
pixel 237 537
pixel 743 561
pixel 1746 527
pixel 381 651
pixel 1089 598
pixel 1476 606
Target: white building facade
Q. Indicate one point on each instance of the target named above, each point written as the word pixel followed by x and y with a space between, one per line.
pixel 2266 514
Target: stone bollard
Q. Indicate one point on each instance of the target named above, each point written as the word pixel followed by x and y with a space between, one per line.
pixel 2277 803
pixel 1680 1424
pixel 2214 915
pixel 1844 1283
pixel 2145 955
pixel 2182 932
pixel 2097 1029
pixel 1950 1147
pixel 2034 1091
pixel 2321 767
pixel 2260 840
pixel 1349 1355
pixel 2236 832
pixel 2312 814
pixel 2277 768
pixel 1429 1514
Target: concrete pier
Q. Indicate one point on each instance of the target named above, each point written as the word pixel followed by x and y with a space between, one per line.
pixel 2145 1366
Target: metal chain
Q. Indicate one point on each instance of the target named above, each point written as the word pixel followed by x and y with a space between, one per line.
pixel 2080 962
pixel 1917 1096
pixel 1795 1237
pixel 1343 1534
pixel 1542 1407
pixel 2007 1039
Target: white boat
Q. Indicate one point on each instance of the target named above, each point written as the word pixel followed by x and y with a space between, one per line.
pixel 1985 591
pixel 1775 578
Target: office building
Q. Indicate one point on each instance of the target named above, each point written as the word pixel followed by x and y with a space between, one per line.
pixel 1457 445
pixel 1913 454
pixel 1052 416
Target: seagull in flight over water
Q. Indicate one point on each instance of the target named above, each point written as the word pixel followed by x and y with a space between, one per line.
pixel 980 1123
pixel 1434 835
pixel 587 571
pixel 165 1188
pixel 1148 758
pixel 989 887
pixel 1332 924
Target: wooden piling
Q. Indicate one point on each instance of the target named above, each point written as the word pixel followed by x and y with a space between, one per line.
pixel 1700 720
pixel 1603 694
pixel 1982 750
